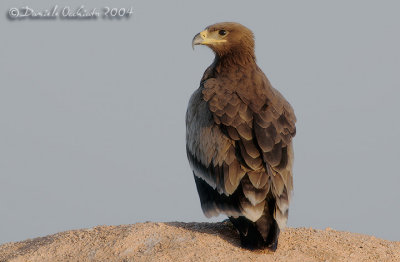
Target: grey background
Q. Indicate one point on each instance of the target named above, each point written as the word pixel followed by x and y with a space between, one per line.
pixel 92 112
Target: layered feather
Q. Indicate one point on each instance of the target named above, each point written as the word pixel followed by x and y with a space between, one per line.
pixel 239 132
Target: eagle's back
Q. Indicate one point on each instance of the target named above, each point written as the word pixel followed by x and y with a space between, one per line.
pixel 239 144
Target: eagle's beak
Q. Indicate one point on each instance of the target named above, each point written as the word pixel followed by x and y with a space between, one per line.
pixel 200 38
pixel 206 38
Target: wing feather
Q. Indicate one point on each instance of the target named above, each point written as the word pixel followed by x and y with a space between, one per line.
pixel 239 142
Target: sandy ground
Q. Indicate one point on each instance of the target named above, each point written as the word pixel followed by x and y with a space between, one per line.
pixel 196 242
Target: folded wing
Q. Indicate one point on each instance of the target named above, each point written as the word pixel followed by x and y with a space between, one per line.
pixel 239 145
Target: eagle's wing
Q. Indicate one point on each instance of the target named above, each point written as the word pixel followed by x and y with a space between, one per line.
pixel 239 145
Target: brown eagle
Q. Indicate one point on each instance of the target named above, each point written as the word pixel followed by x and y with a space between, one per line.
pixel 239 132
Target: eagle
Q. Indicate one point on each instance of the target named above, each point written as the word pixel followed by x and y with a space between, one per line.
pixel 239 132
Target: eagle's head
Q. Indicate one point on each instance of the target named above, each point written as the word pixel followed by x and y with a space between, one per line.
pixel 226 38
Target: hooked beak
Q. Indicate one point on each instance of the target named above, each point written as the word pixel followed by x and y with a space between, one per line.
pixel 204 38
pixel 199 38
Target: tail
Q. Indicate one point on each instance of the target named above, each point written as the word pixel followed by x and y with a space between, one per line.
pixel 261 234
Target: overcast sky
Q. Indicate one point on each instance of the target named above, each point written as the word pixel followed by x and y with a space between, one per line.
pixel 92 112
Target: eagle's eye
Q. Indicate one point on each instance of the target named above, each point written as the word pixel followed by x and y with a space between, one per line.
pixel 222 32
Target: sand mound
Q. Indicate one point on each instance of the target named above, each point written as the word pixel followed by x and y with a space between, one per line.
pixel 196 242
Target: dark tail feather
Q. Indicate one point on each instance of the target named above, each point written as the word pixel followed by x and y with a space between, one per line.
pixel 261 234
pixel 251 233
